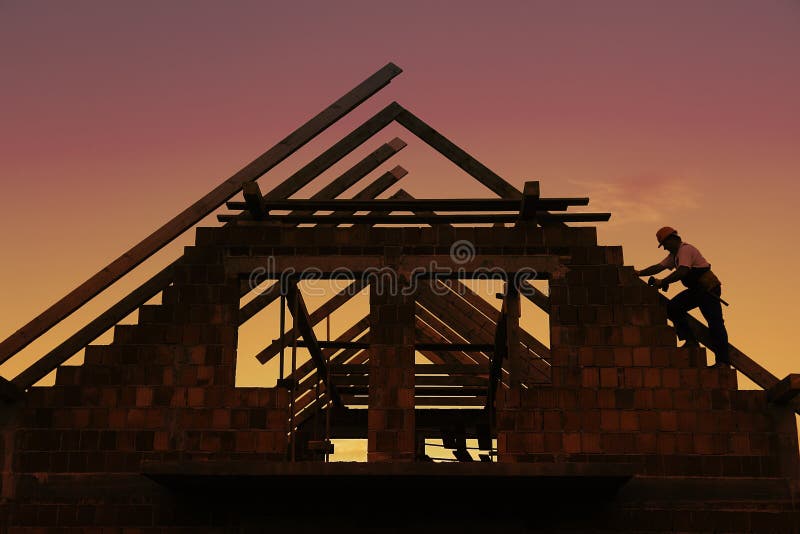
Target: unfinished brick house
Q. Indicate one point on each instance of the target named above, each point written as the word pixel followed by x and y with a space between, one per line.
pixel 611 427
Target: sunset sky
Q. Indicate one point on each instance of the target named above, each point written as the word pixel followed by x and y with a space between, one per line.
pixel 115 116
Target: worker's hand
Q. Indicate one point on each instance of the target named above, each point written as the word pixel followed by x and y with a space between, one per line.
pixel 637 273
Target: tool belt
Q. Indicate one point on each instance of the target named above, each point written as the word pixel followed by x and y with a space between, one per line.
pixel 708 281
pixel 702 278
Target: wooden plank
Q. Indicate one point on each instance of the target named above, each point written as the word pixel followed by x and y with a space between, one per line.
pixel 353 400
pixel 438 380
pixel 785 390
pixel 415 204
pixel 419 369
pixel 94 329
pixel 530 201
pixel 253 201
pixel 456 218
pixel 458 156
pixel 428 391
pixel 460 347
pixel 194 213
pixel 294 298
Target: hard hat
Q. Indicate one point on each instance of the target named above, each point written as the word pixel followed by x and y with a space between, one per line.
pixel 664 233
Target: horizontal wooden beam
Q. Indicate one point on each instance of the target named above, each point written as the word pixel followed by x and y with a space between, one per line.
pixel 435 380
pixel 419 369
pixel 354 400
pixel 432 204
pixel 417 346
pixel 458 218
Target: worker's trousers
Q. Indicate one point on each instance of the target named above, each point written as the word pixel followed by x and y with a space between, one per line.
pixel 711 308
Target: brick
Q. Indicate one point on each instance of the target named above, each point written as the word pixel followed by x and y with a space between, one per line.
pixel 572 442
pixel 628 421
pixel 609 420
pixel 670 378
pixel 668 420
pixel 623 356
pixel 652 378
pixel 590 442
pixel 641 356
pixel 608 377
pixel 590 377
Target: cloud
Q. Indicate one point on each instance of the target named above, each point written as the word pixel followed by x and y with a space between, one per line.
pixel 641 199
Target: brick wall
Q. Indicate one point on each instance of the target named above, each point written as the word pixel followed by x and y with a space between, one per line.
pixel 620 391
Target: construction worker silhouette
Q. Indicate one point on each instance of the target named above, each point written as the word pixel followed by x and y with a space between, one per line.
pixel 703 290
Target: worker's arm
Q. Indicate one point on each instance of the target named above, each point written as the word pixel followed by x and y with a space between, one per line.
pixel 653 269
pixel 679 273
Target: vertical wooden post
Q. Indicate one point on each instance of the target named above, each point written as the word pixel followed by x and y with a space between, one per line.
pixel 515 358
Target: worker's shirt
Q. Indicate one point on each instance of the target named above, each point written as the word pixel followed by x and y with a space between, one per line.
pixel 687 256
